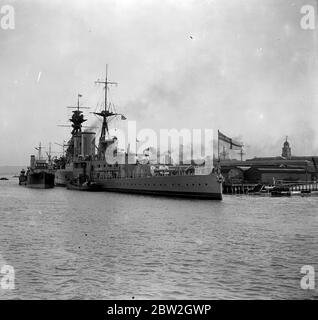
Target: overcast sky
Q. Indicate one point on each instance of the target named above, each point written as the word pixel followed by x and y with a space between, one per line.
pixel 244 67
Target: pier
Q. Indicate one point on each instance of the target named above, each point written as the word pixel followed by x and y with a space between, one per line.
pixel 238 188
pixel 281 188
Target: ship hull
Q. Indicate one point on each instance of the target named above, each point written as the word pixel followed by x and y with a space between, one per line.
pixel 192 195
pixel 63 177
pixel 192 186
pixel 40 180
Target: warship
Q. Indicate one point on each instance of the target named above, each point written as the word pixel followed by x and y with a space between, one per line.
pixel 85 164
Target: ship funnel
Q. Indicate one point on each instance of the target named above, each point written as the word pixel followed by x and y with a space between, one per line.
pixel 88 144
pixel 84 144
pixel 32 162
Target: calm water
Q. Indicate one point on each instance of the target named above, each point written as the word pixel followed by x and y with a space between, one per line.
pixel 75 245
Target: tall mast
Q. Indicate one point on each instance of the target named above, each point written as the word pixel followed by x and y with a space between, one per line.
pixel 78 96
pixel 106 87
pixel 49 155
pixel 105 113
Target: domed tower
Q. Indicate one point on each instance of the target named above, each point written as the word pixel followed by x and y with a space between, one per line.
pixel 286 150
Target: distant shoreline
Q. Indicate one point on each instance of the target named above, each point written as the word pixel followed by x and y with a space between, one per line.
pixel 11 170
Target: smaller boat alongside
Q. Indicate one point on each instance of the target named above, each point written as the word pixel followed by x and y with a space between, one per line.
pixel 75 184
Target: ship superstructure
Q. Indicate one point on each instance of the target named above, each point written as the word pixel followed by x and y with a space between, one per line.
pixel 64 165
